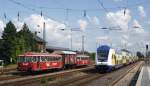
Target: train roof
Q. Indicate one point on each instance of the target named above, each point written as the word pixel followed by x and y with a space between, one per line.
pixel 81 55
pixel 103 47
pixel 39 54
pixel 125 50
pixel 64 52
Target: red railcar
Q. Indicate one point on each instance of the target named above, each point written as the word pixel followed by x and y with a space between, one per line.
pixel 43 61
pixel 68 57
pixel 39 61
pixel 82 60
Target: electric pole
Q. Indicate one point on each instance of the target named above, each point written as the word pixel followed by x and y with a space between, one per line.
pixel 44 39
pixel 146 56
pixel 83 44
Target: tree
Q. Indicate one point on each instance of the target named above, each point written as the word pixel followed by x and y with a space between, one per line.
pixel 9 43
pixel 20 45
pixel 27 39
pixel 91 54
pixel 140 55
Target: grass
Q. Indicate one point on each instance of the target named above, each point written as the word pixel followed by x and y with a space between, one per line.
pixel 11 66
pixel 43 80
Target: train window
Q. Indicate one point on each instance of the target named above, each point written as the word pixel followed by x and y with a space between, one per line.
pixel 51 58
pixel 34 59
pixel 84 58
pixel 43 59
pixel 47 59
pixel 78 58
pixel 28 59
pixel 59 59
pixel 38 58
pixel 102 55
pixel 21 59
pixel 56 58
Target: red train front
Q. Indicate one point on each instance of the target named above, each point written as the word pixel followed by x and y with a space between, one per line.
pixel 39 61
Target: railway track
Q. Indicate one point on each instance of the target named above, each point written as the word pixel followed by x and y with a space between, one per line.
pixel 6 70
pixel 110 79
pixel 17 74
pixel 35 78
pixel 92 75
pixel 77 77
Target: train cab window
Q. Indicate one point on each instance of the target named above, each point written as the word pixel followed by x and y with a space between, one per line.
pixel 102 55
pixel 21 59
pixel 28 59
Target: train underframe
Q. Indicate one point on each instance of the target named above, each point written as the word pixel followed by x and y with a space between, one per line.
pixel 107 68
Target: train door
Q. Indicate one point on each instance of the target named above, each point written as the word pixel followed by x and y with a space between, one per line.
pixel 72 60
pixel 63 60
pixel 38 62
pixel 113 59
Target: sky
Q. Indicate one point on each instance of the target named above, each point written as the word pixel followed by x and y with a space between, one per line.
pixel 128 21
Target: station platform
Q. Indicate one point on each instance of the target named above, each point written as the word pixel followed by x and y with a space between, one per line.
pixel 144 76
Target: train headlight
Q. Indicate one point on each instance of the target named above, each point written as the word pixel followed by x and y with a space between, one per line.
pixel 54 64
pixel 25 64
pixel 47 64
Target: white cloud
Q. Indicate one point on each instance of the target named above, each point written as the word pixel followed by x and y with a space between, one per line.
pixel 96 20
pixel 129 35
pixel 125 36
pixel 141 11
pixel 102 38
pixel 119 19
pixel 54 34
pixel 148 22
pixel 77 45
pixel 83 24
pixel 137 27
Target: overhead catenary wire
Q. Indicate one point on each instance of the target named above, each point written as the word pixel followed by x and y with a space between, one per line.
pixel 71 9
pixel 101 4
pixel 32 9
pixel 38 9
